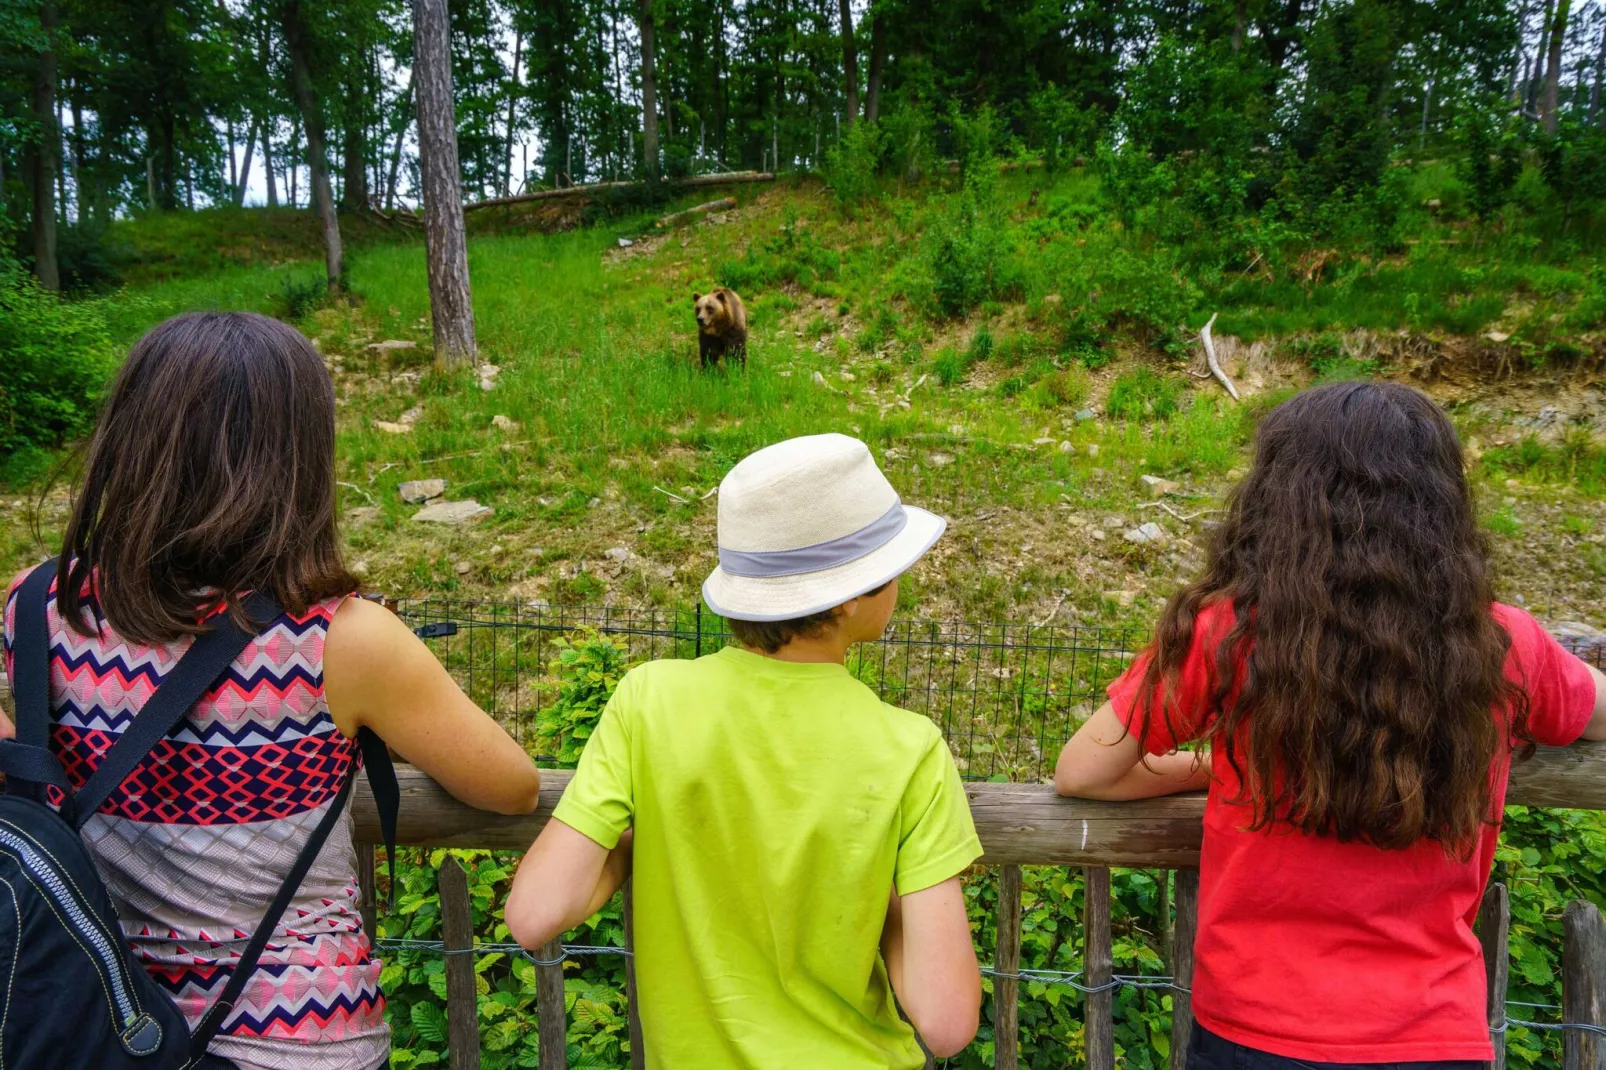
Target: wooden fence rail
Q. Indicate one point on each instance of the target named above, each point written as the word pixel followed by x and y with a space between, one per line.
pixel 1019 825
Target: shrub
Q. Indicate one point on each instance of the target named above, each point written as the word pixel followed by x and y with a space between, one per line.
pixel 585 672
pixel 301 296
pixel 1066 388
pixel 57 356
pixel 794 255
pixel 981 344
pixel 851 165
pixel 966 254
pixel 1143 395
pixel 950 366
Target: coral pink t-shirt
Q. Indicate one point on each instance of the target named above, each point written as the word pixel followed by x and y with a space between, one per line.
pixel 1342 952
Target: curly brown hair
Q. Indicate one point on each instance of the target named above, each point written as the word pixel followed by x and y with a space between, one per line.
pixel 1365 657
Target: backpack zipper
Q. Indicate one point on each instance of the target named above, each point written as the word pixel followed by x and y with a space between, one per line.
pixel 79 920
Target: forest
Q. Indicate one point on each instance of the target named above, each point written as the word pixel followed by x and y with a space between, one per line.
pixel 990 237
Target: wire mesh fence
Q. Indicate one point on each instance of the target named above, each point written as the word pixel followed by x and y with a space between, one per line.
pixel 1007 695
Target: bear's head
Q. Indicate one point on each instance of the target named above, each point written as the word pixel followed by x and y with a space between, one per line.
pixel 713 311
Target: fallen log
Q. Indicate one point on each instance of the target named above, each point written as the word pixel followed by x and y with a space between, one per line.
pixel 676 218
pixel 726 178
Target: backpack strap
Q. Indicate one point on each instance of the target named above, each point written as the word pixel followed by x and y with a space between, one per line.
pixel 26 760
pixel 387 797
pixel 212 1020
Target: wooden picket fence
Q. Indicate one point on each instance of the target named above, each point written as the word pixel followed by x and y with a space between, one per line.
pixel 1019 825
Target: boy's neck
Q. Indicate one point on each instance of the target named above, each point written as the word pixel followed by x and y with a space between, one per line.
pixel 828 649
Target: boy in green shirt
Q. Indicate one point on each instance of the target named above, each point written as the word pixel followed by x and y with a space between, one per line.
pixel 795 842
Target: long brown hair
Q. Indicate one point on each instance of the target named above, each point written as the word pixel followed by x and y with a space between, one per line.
pixel 211 473
pixel 1367 662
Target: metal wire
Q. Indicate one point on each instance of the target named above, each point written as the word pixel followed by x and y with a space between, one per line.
pixel 1069 979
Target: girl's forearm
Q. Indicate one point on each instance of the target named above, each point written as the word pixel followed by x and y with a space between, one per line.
pixel 1166 774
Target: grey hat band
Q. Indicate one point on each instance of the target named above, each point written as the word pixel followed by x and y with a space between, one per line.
pixel 768 564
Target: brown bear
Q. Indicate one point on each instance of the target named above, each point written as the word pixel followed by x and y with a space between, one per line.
pixel 721 326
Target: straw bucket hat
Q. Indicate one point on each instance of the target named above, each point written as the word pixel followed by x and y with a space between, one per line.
pixel 807 524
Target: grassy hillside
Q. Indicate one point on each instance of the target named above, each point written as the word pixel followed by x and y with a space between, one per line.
pixel 1018 363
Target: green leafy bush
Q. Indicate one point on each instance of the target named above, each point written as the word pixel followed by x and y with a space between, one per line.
pixel 851 165
pixel 966 253
pixel 585 672
pixel 56 356
pixel 794 255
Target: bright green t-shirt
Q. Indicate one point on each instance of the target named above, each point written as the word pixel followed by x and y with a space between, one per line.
pixel 774 806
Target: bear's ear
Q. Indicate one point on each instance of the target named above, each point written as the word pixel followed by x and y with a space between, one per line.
pixel 720 293
pixel 696 297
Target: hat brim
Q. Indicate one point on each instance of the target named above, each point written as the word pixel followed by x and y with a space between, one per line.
pixel 789 597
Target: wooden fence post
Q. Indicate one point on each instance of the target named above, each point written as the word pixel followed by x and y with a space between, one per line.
pixel 1583 985
pixel 549 1006
pixel 638 1051
pixel 1098 968
pixel 1006 965
pixel 1494 931
pixel 1182 965
pixel 457 934
pixel 367 894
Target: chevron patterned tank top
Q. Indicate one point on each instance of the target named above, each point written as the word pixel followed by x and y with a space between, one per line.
pixel 195 842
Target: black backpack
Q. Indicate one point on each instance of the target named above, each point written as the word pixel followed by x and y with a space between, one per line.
pixel 72 995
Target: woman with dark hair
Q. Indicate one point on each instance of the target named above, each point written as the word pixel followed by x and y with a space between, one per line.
pixel 212 475
pixel 1362 695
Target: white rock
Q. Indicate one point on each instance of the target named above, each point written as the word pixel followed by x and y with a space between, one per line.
pixel 848 377
pixel 487 385
pixel 939 460
pixel 390 344
pixel 1158 487
pixel 415 491
pixel 359 569
pixel 452 512
pixel 625 243
pixel 488 371
pixel 393 429
pixel 618 553
pixel 362 514
pixel 1098 534
pixel 1042 442
pixel 462 568
pixel 1066 447
pixel 1092 449
pixel 819 380
pixel 1497 336
pixel 502 423
pixel 1148 533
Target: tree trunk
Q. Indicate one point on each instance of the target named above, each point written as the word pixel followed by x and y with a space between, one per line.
pixel 649 92
pixel 354 153
pixel 396 153
pixel 234 173
pixel 78 158
pixel 1240 26
pixel 317 167
pixel 512 101
pixel 292 169
pixel 1518 57
pixel 451 306
pixel 245 165
pixel 1600 70
pixel 878 62
pixel 850 63
pixel 1558 31
pixel 44 155
pixel 1537 79
pixel 267 161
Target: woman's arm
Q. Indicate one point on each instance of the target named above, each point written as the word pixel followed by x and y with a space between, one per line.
pixel 379 675
pixel 931 962
pixel 563 879
pixel 1105 761
pixel 1596 728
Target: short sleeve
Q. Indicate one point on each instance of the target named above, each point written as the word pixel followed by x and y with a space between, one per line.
pixel 1183 712
pixel 1560 688
pixel 937 838
pixel 599 801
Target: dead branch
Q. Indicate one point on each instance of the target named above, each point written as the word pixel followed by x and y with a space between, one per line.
pixel 676 218
pixel 1210 358
pixel 728 178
